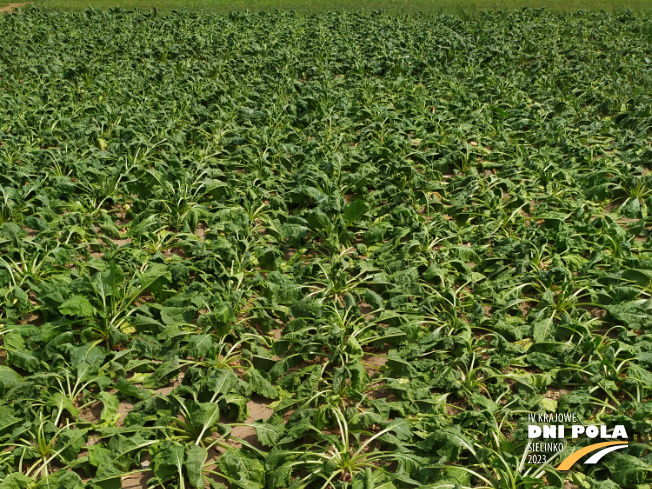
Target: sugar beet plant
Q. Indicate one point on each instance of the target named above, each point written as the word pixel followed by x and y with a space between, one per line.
pixel 337 251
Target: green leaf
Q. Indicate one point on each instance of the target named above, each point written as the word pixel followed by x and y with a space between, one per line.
pixel 247 473
pixel 543 330
pixel 77 305
pixel 162 375
pixel 549 405
pixel 401 427
pixel 627 470
pixel 200 346
pixel 634 314
pixel 221 381
pixel 280 477
pixel 269 258
pixel 484 403
pixel 64 480
pixel 24 360
pixel 107 281
pixel 110 230
pixel 374 300
pixel 17 480
pixel 169 461
pixel 542 360
pixel 194 465
pixel 177 316
pixel 62 403
pixel 449 443
pixel 110 406
pixel 153 280
pixel 131 390
pixel 203 414
pixel 354 210
pixel 268 434
pixel 87 355
pixel 353 348
pixel 70 443
pixel 7 419
pixel 260 385
pixel 237 406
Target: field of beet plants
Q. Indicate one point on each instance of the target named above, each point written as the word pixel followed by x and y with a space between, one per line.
pixel 329 251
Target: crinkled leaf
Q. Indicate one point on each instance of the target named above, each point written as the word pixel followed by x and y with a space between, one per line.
pixel 247 473
pixel 260 385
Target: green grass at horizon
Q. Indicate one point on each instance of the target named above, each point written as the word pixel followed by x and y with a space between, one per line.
pixel 315 6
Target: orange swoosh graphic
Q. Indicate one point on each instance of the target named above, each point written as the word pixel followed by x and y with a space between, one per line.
pixel 569 461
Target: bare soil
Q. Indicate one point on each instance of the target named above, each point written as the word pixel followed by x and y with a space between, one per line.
pixel 9 8
pixel 136 481
pixel 374 363
pixel 258 410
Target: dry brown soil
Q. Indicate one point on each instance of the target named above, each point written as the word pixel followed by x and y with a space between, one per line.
pixel 8 8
